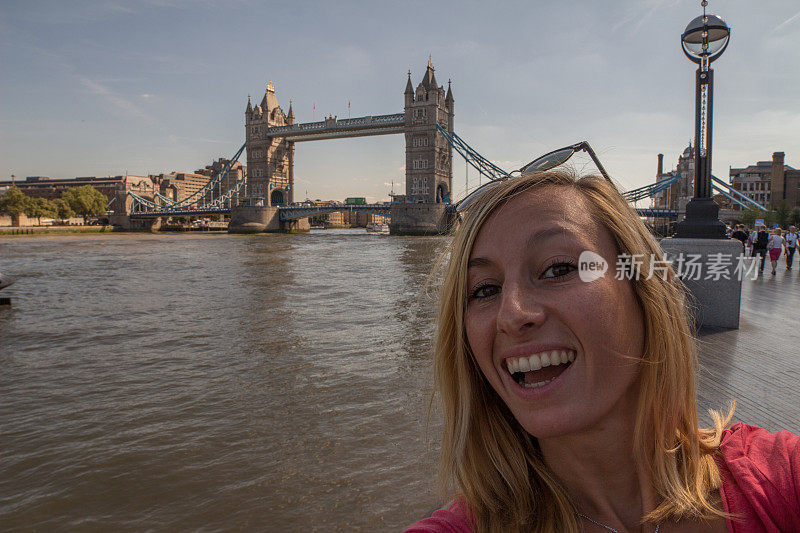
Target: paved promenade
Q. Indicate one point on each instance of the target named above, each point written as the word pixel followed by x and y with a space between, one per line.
pixel 757 365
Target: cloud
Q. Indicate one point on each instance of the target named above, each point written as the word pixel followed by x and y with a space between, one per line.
pixel 117 102
pixel 146 96
pixel 651 6
pixel 786 22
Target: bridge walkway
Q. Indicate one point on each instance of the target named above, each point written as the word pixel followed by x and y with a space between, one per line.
pixel 757 365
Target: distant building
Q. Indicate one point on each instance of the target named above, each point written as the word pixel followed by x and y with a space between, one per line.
pixel 45 187
pixel 676 196
pixel 768 182
pixel 336 218
pixel 237 172
pixel 180 186
pixel 360 220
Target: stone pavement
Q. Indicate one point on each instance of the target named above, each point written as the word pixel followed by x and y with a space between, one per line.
pixel 757 365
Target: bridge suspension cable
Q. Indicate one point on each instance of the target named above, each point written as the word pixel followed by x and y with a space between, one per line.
pixel 732 194
pixel 491 171
pixel 206 192
pixel 208 188
pixel 477 161
pixel 634 195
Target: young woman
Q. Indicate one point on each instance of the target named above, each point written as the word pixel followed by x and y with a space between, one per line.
pixel 567 386
pixel 775 246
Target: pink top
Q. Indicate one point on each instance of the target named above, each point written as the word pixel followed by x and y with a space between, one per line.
pixel 760 485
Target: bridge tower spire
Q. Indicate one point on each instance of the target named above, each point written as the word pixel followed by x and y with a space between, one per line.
pixel 429 157
pixel 270 161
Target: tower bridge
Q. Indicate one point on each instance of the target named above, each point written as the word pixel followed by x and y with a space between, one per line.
pixel 263 200
pixel 271 135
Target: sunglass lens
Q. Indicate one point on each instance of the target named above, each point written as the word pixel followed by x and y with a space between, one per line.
pixel 549 161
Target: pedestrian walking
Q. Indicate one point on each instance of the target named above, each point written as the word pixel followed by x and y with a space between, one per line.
pixel 760 245
pixel 791 245
pixel 775 245
pixel 740 234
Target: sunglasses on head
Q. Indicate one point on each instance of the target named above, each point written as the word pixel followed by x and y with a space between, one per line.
pixel 540 164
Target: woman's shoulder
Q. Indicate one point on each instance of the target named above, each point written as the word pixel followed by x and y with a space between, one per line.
pixel 761 475
pixel 757 444
pixel 452 518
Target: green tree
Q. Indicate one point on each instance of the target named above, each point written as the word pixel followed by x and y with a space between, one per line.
pixel 63 210
pixel 750 214
pixel 796 216
pixel 13 203
pixel 771 218
pixel 40 207
pixel 783 214
pixel 86 201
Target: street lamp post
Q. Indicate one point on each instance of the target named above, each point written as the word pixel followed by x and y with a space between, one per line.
pixel 703 41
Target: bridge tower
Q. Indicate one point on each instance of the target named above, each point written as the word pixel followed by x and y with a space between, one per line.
pixel 270 161
pixel 429 157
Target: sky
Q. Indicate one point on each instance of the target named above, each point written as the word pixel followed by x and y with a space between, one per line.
pixel 150 86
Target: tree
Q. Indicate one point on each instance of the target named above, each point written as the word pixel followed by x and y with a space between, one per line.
pixel 13 203
pixel 796 216
pixel 770 218
pixel 63 210
pixel 40 207
pixel 750 214
pixel 783 214
pixel 86 201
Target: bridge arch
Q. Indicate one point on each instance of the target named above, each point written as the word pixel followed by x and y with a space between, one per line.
pixel 277 197
pixel 442 193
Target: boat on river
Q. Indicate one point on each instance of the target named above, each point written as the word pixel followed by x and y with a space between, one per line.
pixel 377 227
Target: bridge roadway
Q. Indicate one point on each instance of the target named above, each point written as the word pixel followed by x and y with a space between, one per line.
pixel 334 128
pixel 757 365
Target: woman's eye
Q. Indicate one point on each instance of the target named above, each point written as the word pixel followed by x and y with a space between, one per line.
pixel 558 270
pixel 484 291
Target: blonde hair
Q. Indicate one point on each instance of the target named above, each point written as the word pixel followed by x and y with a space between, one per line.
pixel 494 465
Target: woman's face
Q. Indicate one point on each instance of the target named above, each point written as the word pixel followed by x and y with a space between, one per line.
pixel 561 352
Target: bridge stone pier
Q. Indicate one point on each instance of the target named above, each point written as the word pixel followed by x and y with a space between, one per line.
pixel 271 135
pixel 261 219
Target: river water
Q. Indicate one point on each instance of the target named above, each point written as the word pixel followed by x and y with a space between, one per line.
pixel 217 382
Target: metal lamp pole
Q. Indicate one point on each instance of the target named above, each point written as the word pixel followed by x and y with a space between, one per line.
pixel 703 41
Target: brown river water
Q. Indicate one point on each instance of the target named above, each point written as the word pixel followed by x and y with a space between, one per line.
pixel 216 382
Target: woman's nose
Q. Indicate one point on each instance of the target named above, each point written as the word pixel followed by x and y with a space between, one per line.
pixel 519 310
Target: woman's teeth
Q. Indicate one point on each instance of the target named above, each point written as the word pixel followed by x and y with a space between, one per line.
pixel 528 363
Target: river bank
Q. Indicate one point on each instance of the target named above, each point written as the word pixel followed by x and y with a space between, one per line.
pixel 72 230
